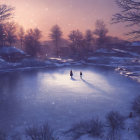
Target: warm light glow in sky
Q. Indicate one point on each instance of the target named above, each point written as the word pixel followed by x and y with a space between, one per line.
pixel 68 14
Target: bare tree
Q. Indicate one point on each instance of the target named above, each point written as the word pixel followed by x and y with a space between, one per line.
pixel 129 14
pixel 88 40
pixel 6 12
pixel 115 122
pixel 76 40
pixel 32 41
pixel 101 32
pixel 21 35
pixel 56 35
pixel 10 32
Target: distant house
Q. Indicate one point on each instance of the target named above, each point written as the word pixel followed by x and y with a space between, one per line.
pixel 12 54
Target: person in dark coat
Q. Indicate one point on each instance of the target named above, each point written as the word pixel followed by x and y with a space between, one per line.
pixel 81 74
pixel 71 73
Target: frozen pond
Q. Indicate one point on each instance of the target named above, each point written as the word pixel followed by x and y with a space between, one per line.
pixel 35 97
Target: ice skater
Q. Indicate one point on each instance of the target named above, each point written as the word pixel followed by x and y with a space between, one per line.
pixel 71 73
pixel 81 74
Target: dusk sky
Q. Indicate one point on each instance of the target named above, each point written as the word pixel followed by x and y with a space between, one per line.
pixel 68 14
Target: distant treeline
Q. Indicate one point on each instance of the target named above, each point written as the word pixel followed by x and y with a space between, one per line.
pixel 78 44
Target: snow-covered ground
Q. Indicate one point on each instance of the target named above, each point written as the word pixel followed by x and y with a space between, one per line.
pixel 50 95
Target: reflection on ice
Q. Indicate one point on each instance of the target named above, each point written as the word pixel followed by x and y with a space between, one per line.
pixel 91 81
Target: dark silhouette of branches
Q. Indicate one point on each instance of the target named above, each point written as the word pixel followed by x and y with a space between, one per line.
pixel 115 122
pixel 6 12
pixel 129 14
pixel 40 133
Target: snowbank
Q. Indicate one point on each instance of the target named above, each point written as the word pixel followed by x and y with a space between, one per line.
pixel 9 50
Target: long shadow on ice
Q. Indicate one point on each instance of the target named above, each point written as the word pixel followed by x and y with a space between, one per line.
pixel 73 79
pixel 92 86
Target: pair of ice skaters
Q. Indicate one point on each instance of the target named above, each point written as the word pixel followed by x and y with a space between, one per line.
pixel 71 74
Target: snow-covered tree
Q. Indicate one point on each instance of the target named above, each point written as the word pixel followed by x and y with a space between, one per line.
pixel 115 122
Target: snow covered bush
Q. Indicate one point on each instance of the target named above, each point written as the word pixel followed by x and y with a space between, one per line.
pixel 40 133
pixel 97 128
pixel 115 122
pixel 136 105
pixel 94 128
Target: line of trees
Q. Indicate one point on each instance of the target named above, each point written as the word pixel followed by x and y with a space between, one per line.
pixel 78 43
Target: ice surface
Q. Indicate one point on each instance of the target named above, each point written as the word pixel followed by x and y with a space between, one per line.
pixel 35 97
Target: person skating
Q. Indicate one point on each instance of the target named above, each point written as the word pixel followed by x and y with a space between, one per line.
pixel 71 73
pixel 81 74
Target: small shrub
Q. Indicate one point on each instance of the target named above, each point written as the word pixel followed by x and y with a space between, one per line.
pixel 94 128
pixel 97 128
pixel 115 120
pixel 136 105
pixel 40 133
